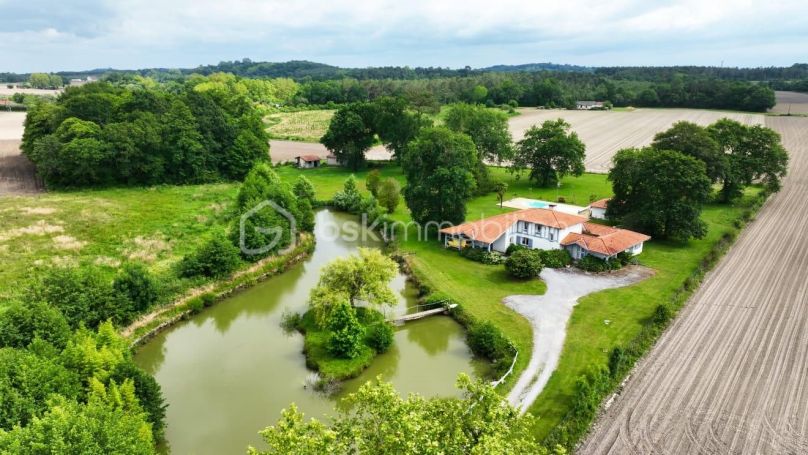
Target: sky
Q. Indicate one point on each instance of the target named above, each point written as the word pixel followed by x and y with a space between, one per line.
pixel 39 35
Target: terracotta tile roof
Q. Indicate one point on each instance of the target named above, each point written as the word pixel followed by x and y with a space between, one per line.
pixel 488 230
pixel 605 240
pixel 309 158
pixel 601 204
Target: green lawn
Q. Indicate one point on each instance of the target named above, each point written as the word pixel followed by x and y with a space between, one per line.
pixel 155 225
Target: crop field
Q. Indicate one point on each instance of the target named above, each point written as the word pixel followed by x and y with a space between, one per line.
pixel 791 102
pixel 606 132
pixel 4 90
pixel 729 376
pixel 306 126
pixel 16 172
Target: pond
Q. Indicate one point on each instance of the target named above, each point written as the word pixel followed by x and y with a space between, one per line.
pixel 227 372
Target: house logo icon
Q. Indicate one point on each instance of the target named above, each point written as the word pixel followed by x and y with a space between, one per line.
pixel 275 232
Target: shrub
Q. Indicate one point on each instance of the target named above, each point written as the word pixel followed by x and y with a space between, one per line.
pixel 208 299
pixel 135 284
pixel 662 314
pixel 21 323
pixel 345 340
pixel 82 295
pixel 373 181
pixel 196 305
pixel 215 258
pixel 349 199
pixel 555 259
pixel 482 256
pixel 304 189
pixel 597 265
pixel 389 194
pixel 524 264
pixel 487 341
pixel 514 247
pixel 380 336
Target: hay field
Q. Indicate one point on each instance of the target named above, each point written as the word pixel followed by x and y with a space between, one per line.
pixel 606 132
pixel 730 375
pixel 790 102
pixel 306 126
pixel 4 90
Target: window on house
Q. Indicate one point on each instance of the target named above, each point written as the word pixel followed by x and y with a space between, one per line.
pixel 552 235
pixel 524 241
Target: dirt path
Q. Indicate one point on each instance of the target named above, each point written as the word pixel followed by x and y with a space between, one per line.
pixel 17 174
pixel 548 315
pixel 731 374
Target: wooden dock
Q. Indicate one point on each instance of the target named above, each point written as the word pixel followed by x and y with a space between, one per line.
pixel 399 320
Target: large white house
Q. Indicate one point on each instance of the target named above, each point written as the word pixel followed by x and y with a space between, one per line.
pixel 546 230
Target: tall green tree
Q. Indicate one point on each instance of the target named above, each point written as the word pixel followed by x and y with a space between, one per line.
pixel 694 140
pixel 389 194
pixel 439 166
pixel 378 420
pixel 395 123
pixel 550 152
pixel 364 277
pixel 753 153
pixel 659 192
pixel 488 129
pixel 350 134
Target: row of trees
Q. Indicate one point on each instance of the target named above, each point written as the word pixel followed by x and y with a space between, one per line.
pixel 45 81
pixel 101 134
pixel 661 189
pixel 546 89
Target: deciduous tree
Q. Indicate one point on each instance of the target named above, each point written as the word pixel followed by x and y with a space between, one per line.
pixel 550 152
pixel 350 135
pixel 693 140
pixel 659 192
pixel 439 167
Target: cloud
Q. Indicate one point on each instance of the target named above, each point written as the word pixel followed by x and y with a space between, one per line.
pixel 172 33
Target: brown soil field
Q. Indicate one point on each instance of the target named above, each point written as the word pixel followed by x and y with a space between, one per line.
pixel 16 171
pixel 791 102
pixel 606 132
pixel 282 151
pixel 4 90
pixel 730 375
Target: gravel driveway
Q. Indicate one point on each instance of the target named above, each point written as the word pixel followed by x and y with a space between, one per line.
pixel 548 315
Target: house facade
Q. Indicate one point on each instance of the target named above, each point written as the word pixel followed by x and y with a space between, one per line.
pixel 597 209
pixel 308 161
pixel 544 229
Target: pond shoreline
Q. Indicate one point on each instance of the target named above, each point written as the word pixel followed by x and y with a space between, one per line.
pixel 182 307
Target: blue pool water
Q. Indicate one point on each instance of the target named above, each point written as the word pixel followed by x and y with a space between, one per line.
pixel 537 204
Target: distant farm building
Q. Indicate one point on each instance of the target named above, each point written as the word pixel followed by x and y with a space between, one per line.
pixel 332 160
pixel 589 105
pixel 308 161
pixel 597 209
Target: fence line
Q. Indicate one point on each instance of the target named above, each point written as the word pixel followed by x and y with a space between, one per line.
pixel 507 373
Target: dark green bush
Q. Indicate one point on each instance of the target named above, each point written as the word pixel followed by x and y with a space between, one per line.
pixel 379 336
pixel 487 341
pixel 514 247
pixel 208 299
pixel 594 264
pixel 555 259
pixel 21 323
pixel 524 264
pixel 148 394
pixel 345 339
pixel 82 295
pixel 136 284
pixel 215 258
pixel 196 305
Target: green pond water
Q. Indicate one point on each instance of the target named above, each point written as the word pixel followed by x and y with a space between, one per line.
pixel 227 372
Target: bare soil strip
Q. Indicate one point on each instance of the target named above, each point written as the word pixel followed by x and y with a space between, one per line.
pixel 17 173
pixel 282 151
pixel 791 103
pixel 730 375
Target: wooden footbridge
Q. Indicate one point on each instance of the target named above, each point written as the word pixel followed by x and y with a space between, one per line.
pixel 435 308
